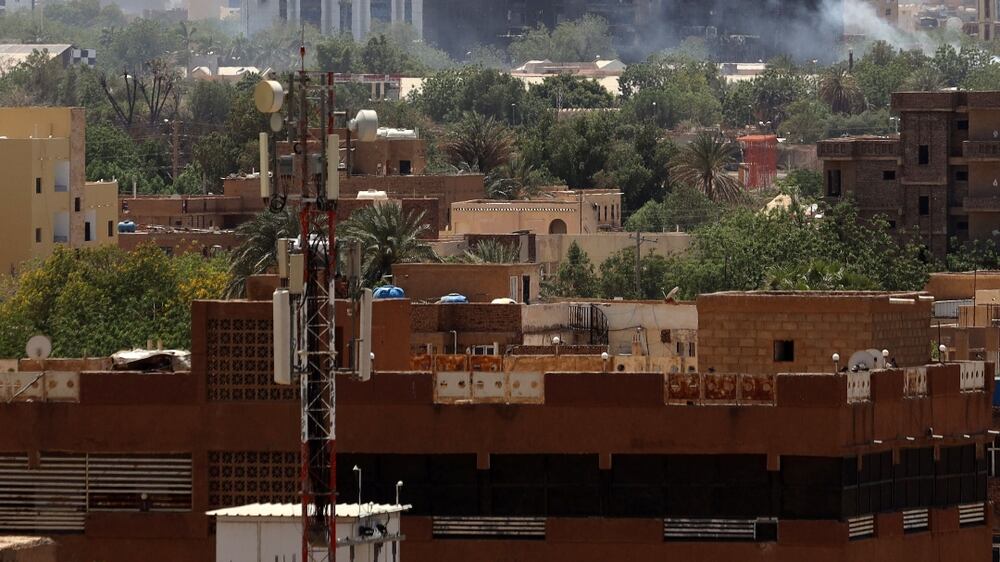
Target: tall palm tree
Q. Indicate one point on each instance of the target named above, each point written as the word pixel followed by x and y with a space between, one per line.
pixel 839 89
pixel 702 165
pixel 388 236
pixel 516 179
pixel 480 142
pixel 258 252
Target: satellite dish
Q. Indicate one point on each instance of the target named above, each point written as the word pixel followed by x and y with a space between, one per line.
pixel 867 360
pixel 39 347
pixel 268 96
pixel 277 123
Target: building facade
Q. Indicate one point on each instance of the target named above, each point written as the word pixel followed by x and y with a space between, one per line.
pixel 562 212
pixel 548 457
pixel 938 176
pixel 49 202
pixel 332 17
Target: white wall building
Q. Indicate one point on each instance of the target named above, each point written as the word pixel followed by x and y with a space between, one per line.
pixel 267 532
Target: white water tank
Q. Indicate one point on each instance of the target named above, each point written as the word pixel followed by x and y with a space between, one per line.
pixel 365 125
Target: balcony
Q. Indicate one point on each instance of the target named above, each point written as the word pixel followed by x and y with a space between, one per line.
pixel 881 148
pixel 983 151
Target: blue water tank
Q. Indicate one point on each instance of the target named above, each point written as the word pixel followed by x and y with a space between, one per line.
pixel 453 298
pixel 126 226
pixel 388 292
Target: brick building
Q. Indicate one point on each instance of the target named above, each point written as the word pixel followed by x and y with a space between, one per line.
pixel 527 458
pixel 478 282
pixel 770 332
pixel 938 175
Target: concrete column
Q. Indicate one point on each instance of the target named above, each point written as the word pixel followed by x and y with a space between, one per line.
pixel 417 13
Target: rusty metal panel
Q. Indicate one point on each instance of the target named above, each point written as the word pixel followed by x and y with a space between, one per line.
pixel 489 387
pixel 53 386
pixel 720 387
pixel 757 389
pixel 915 382
pixel 683 388
pixel 422 362
pixel 489 363
pixel 451 387
pixel 450 363
pixel 526 387
pixel 859 387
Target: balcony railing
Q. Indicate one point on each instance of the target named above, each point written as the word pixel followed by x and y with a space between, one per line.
pixel 981 150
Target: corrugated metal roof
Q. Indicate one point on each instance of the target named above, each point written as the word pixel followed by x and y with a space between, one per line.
pixel 295 510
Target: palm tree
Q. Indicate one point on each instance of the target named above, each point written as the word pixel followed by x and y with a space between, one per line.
pixel 924 79
pixel 258 252
pixel 493 251
pixel 388 236
pixel 516 179
pixel 702 165
pixel 839 89
pixel 480 142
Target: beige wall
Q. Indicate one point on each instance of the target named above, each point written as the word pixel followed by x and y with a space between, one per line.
pixel 204 9
pixel 551 248
pixel 663 326
pixel 477 282
pixel 100 208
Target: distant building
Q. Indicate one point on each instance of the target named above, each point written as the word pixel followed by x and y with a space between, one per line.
pixel 939 175
pixel 12 55
pixel 47 199
pixel 585 211
pixel 331 17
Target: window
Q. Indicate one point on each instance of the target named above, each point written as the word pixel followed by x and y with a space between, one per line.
pixel 889 175
pixel 38 235
pixel 111 229
pixel 87 237
pixel 691 349
pixel 680 349
pixel 924 155
pixel 405 167
pixel 38 185
pixel 784 351
pixel 76 204
pixel 892 225
pixel 483 350
pixel 962 125
pixel 962 225
pixel 925 205
pixel 833 183
pixel 961 175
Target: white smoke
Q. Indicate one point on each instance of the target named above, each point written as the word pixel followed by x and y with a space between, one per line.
pixel 860 18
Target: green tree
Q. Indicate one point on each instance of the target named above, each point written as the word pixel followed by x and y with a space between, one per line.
pixel 839 89
pixel 924 79
pixel 210 102
pixel 479 142
pixel 217 155
pixel 96 301
pixel 806 122
pixel 575 276
pixel 571 41
pixel 516 179
pixel 618 276
pixel 801 181
pixel 567 91
pixel 337 53
pixel 388 236
pixel 257 254
pixel 493 251
pixel 702 164
pixel 684 209
pixel 577 148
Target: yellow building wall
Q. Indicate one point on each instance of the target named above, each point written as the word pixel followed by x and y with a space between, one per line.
pixel 18 187
pixel 101 203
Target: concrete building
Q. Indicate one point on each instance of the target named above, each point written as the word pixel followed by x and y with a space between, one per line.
pixel 477 282
pixel 48 202
pixel 989 19
pixel 534 457
pixel 561 212
pixel 239 202
pixel 274 532
pixel 63 54
pixel 938 175
pixel 332 16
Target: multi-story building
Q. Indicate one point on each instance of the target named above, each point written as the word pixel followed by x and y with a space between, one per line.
pixel 989 19
pixel 938 175
pixel 546 457
pixel 48 200
pixel 332 16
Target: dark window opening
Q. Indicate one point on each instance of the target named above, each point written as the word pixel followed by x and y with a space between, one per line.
pixel 889 175
pixel 784 351
pixel 961 175
pixel 111 229
pixel 924 155
pixel 892 225
pixel 38 235
pixel 962 125
pixel 405 167
pixel 38 185
pixel 526 289
pixel 691 349
pixel 86 232
pixel 925 205
pixel 963 225
pixel 76 204
pixel 833 183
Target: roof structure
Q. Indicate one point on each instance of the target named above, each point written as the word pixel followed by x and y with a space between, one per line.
pixel 295 510
pixel 13 54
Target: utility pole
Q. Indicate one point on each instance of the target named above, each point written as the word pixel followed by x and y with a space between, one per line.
pixel 175 141
pixel 638 261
